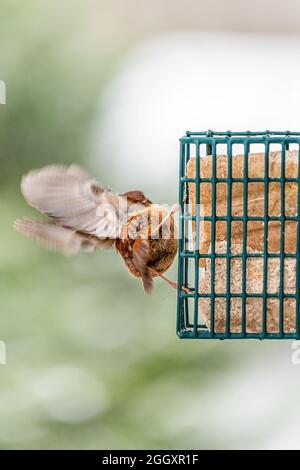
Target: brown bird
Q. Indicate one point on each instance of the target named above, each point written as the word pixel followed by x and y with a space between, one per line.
pixel 84 215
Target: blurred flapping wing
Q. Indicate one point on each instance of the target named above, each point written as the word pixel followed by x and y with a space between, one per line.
pixel 74 200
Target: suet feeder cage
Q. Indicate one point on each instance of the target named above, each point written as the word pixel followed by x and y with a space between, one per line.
pixel 239 234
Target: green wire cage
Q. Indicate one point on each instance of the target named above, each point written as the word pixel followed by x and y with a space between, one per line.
pixel 204 310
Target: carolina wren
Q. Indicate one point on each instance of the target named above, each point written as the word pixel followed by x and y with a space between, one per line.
pixel 84 215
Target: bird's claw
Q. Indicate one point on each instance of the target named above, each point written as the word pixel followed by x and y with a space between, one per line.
pixel 186 290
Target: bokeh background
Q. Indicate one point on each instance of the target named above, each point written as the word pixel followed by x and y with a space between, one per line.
pixel 91 361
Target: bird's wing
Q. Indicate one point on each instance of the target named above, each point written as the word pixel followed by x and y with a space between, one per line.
pixel 140 257
pixel 57 238
pixel 74 200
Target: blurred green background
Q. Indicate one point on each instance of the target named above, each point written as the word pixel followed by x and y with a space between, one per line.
pixel 91 361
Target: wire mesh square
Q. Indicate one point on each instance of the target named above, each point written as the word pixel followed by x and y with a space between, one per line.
pixel 239 233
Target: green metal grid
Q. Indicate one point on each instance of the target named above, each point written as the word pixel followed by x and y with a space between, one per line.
pixel 188 325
